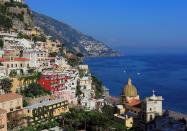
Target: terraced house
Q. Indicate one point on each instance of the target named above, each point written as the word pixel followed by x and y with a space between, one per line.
pixel 12 105
pixel 45 111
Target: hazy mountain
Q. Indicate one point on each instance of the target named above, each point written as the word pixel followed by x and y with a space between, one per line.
pixel 72 38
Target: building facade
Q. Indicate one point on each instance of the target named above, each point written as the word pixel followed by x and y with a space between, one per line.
pixel 12 103
pixel 45 111
pixel 18 64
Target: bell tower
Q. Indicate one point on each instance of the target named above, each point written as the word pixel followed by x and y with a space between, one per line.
pixel 152 107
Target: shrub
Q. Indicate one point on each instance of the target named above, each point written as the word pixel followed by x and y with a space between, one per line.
pixel 5 22
pixel 34 90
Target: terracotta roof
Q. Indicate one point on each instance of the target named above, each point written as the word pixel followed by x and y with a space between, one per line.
pixel 9 97
pixel 2 111
pixel 134 102
pixel 15 59
pixel 2 59
pixel 21 59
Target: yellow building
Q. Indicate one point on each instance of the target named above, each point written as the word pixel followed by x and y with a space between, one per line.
pixel 52 46
pixel 124 119
pixel 19 82
pixel 35 31
pixel 3 120
pixel 45 111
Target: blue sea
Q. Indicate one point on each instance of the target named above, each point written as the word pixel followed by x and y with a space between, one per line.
pixel 166 74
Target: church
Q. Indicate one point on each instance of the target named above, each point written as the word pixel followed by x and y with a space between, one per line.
pixel 137 113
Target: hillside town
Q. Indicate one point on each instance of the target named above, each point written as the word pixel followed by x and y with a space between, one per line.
pixel 40 79
pixel 45 86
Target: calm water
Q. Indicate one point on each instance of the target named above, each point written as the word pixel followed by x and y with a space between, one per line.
pixel 167 75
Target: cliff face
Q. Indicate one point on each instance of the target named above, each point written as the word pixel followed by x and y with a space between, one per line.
pixel 22 17
pixel 72 38
pixel 15 15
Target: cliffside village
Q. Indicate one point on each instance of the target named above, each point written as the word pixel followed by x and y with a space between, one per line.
pixel 21 60
pixel 38 82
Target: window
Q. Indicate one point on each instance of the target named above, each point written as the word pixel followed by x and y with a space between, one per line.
pixel 21 65
pixel 151 117
pixel 16 65
pixel 7 65
pixel 150 109
pixel 12 65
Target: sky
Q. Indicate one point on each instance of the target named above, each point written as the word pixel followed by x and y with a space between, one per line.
pixel 129 26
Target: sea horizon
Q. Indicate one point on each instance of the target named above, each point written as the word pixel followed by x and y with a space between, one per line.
pixel 165 73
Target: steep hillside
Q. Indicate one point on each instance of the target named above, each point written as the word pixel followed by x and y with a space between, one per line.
pixel 15 15
pixel 72 38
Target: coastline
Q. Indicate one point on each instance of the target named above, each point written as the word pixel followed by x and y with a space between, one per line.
pixel 177 115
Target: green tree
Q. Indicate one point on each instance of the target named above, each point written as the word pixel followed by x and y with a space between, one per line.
pixel 28 128
pixel 34 90
pixel 79 57
pixel 13 73
pixel 98 87
pixel 79 119
pixel 25 103
pixel 6 84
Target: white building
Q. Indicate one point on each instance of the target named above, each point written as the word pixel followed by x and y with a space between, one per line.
pixel 15 43
pixel 62 63
pixel 90 104
pixel 20 65
pixel 151 111
pixel 3 72
pixel 8 35
pixel 85 68
pixel 37 58
pixel 152 107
